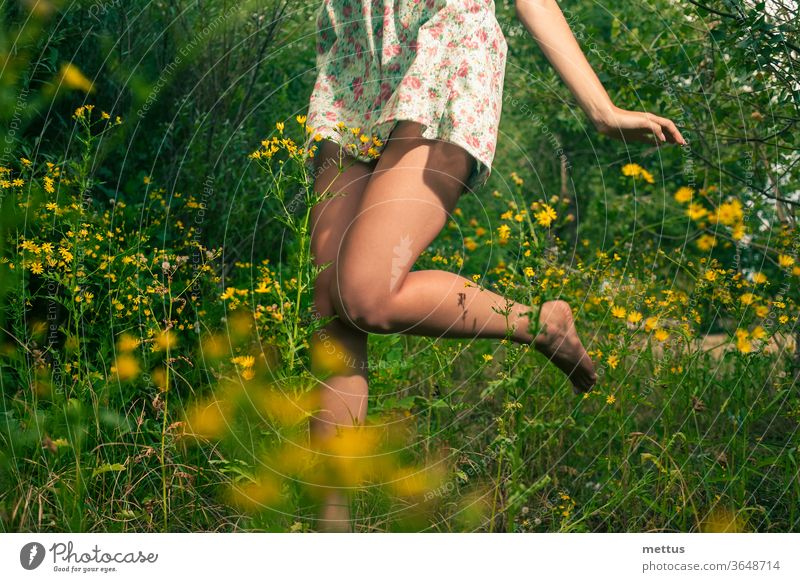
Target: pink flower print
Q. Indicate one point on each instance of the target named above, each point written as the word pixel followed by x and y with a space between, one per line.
pixel 386 91
pixel 413 82
pixel 391 50
pixel 358 88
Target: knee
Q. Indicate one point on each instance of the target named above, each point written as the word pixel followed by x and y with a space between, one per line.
pixel 361 305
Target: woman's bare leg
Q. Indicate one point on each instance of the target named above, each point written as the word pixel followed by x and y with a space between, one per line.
pixel 408 199
pixel 342 395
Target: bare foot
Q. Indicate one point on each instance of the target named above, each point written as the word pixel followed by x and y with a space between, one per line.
pixel 558 340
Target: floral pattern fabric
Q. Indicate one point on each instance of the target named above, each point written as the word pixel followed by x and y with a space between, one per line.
pixel 440 63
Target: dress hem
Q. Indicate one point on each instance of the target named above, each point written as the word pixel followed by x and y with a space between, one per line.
pixel 480 173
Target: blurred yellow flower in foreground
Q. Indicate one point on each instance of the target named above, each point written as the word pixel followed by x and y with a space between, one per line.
pixel 330 357
pixel 209 419
pixel 126 367
pixel 352 456
pixel 166 340
pixel 254 496
pixel 415 481
pixel 286 408
pixel 722 520
pixel 72 77
pixel 127 343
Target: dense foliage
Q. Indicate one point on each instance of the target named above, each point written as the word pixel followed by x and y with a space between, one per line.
pixel 155 283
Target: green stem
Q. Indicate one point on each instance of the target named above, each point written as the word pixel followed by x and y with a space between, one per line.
pixel 496 490
pixel 164 501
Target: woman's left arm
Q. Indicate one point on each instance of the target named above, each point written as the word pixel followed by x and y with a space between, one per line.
pixel 546 23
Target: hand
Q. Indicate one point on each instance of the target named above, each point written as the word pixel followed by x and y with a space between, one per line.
pixel 639 126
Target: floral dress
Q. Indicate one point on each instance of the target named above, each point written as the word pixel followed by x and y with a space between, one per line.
pixel 440 63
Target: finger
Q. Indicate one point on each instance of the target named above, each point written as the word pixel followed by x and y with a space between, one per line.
pixel 657 131
pixel 671 129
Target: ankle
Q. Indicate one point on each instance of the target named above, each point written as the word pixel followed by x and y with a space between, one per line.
pixel 521 326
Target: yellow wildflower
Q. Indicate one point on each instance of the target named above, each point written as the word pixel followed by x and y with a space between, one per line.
pixel 244 361
pixel 503 231
pixel 696 211
pixel 684 194
pixel 706 242
pixel 546 216
pixel 632 170
pixel 742 342
pixel 729 213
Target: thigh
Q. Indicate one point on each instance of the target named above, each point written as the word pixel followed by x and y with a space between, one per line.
pixel 413 189
pixel 331 217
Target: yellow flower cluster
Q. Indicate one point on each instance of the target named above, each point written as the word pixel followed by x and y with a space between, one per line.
pixel 637 171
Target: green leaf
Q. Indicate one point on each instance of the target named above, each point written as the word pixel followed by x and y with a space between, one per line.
pixel 107 467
